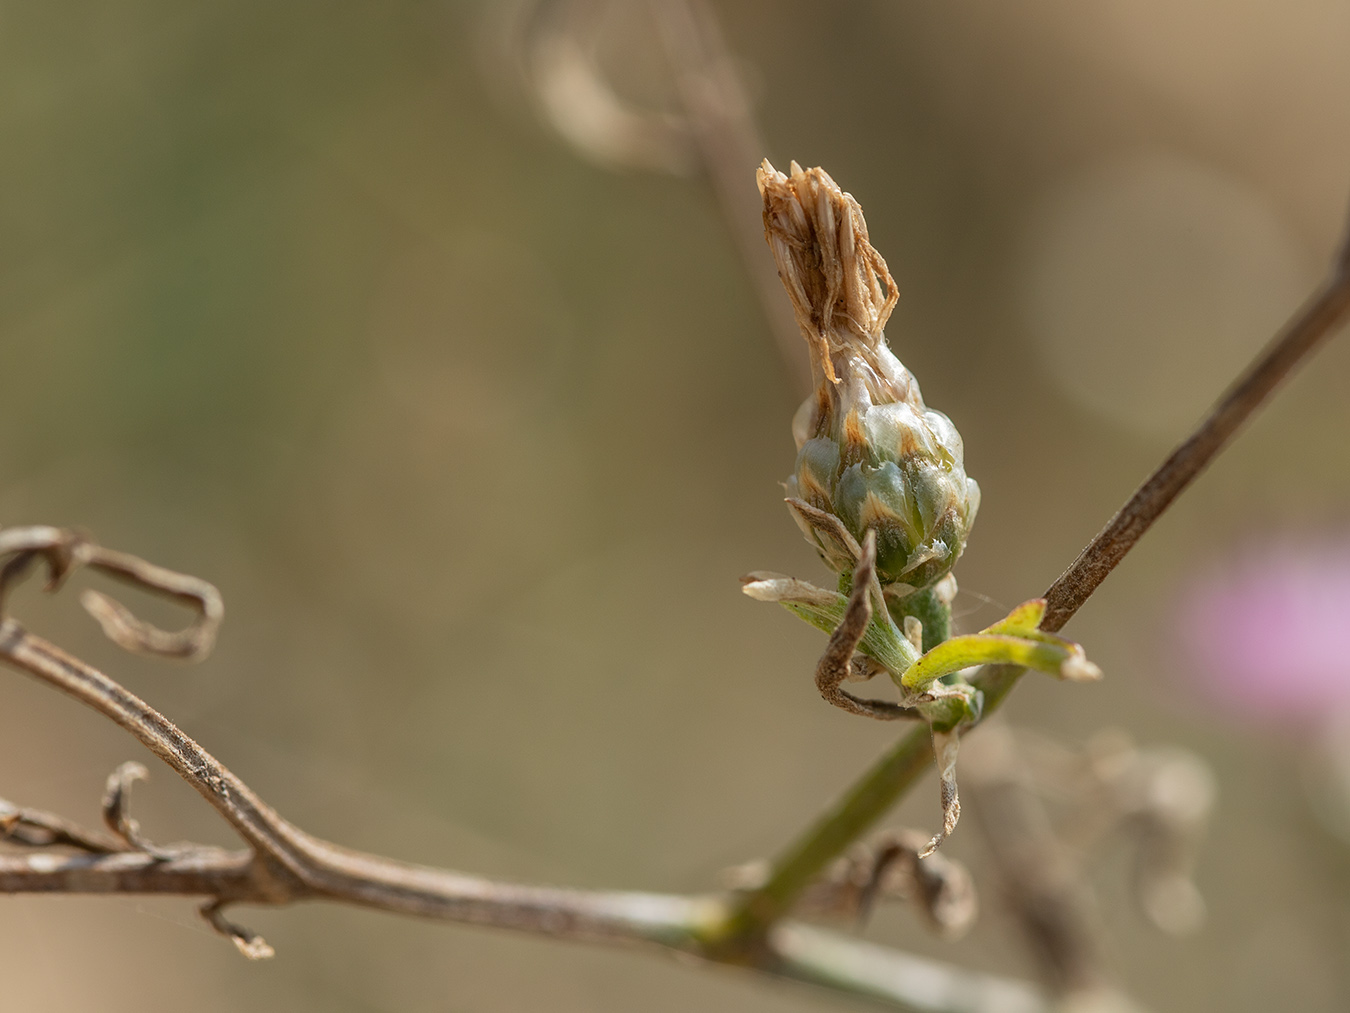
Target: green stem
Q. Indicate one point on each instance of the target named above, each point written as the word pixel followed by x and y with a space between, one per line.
pixel 852 815
pixel 930 610
pixel 869 798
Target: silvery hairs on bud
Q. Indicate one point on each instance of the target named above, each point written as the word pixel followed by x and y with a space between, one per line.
pixel 869 452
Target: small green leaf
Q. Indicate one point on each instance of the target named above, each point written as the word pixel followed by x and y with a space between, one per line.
pixel 824 610
pixel 1013 640
pixel 882 642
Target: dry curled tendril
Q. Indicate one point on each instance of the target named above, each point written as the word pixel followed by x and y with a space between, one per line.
pixel 64 551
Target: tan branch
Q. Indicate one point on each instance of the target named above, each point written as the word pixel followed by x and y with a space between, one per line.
pixel 712 131
pixel 284 865
pixel 722 126
pixel 1319 318
pixel 297 866
pixel 32 828
pixel 199 871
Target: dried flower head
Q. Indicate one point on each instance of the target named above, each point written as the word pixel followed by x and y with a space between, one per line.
pixel 869 452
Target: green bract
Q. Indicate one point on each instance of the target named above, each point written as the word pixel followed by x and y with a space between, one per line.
pixel 905 478
pixel 869 451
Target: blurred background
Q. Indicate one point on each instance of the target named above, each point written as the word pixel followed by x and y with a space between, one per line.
pixel 476 433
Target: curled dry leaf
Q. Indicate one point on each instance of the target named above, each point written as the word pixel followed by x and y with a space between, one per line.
pixel 945 747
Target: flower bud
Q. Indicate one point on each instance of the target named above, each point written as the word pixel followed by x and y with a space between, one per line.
pixel 869 452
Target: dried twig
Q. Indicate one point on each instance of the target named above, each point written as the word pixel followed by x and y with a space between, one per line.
pixel 722 125
pixel 888 866
pixel 1319 318
pixel 1051 901
pixel 290 865
pixel 33 828
pixel 1159 798
pixel 284 865
pixel 66 551
pixel 1163 795
pixel 713 130
pixel 895 863
pixel 117 800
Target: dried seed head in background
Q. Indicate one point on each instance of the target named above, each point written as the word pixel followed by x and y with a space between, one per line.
pixel 868 450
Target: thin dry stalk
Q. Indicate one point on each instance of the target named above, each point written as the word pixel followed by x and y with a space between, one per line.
pixel 1052 903
pixel 285 865
pixel 1319 318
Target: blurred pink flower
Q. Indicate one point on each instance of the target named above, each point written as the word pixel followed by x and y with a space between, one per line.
pixel 1268 633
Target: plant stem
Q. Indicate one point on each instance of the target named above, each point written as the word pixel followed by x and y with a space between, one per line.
pixel 891 776
pixel 930 610
pixel 874 972
pixel 865 802
pixel 1317 320
pixel 851 816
